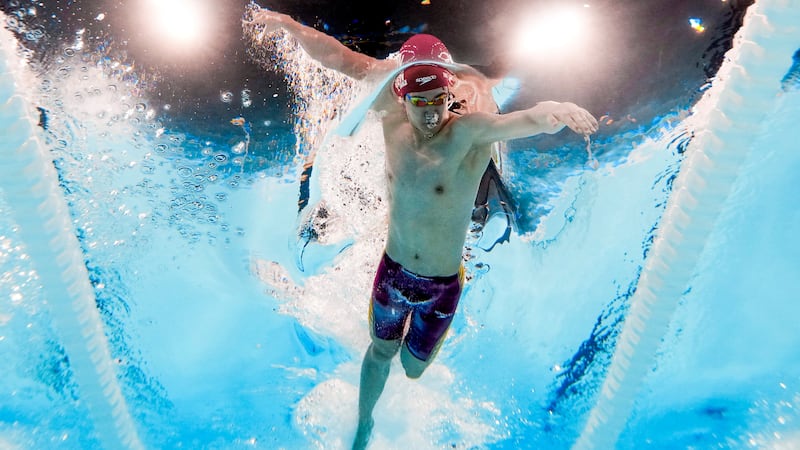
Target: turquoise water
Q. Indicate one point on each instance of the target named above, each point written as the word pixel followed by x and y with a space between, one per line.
pixel 220 340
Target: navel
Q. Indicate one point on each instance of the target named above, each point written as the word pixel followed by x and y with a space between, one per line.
pixel 439 189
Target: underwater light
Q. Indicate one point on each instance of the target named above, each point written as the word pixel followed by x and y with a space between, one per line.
pixel 549 33
pixel 177 24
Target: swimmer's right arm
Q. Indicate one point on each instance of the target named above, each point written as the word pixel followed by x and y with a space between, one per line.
pixel 323 48
pixel 546 117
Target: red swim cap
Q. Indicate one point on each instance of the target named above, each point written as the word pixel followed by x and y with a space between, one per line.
pixel 423 47
pixel 420 78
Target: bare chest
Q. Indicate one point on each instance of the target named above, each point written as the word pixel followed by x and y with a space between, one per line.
pixel 421 180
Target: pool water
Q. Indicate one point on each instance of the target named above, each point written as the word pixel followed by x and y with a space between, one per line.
pixel 227 328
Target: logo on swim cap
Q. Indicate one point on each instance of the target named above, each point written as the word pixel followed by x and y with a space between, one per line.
pixel 425 80
pixel 399 83
pixel 427 49
pixel 423 77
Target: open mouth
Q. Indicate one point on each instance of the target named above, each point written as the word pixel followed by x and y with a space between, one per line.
pixel 431 119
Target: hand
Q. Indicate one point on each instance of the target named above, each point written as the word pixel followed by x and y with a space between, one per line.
pixel 576 118
pixel 269 20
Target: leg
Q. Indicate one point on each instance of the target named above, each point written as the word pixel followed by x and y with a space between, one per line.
pixel 387 318
pixel 415 366
pixel 374 373
pixel 428 326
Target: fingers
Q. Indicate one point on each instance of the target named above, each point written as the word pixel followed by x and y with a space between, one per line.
pixel 588 123
pixel 264 17
pixel 270 20
pixel 581 122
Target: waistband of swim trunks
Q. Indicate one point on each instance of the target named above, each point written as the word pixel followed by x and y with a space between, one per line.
pixel 392 264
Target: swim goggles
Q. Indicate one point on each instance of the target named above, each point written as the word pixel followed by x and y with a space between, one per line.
pixel 422 101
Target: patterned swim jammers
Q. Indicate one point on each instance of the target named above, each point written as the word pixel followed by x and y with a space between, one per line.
pixel 430 301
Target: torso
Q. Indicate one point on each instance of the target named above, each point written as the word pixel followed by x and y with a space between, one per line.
pixel 431 185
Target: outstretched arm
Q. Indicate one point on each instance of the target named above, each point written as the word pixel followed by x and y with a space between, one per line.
pixel 323 48
pixel 546 117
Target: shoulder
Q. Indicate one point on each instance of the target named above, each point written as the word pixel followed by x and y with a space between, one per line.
pixel 473 122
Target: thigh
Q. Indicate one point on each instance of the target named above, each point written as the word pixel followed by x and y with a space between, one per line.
pixel 387 320
pixel 430 322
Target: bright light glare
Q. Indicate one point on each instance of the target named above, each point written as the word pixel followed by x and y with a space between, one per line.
pixel 179 23
pixel 549 33
pixel 697 24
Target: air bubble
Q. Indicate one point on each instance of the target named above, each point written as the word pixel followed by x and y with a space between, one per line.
pixel 34 35
pixel 226 96
pixel 220 157
pixel 193 206
pixel 246 102
pixel 184 172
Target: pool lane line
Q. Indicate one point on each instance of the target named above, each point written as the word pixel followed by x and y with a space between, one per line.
pixel 729 117
pixel 30 184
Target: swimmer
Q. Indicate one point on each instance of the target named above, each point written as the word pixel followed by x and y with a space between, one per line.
pixel 434 163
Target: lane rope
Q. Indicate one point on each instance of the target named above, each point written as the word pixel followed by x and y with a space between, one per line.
pixel 728 118
pixel 29 183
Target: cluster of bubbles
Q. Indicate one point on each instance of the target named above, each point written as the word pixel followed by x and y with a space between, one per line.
pixel 128 179
pixel 322 95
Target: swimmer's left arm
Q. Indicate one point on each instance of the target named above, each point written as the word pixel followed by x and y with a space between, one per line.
pixel 321 47
pixel 546 117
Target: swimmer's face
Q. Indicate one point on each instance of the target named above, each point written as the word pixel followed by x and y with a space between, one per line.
pixel 427 110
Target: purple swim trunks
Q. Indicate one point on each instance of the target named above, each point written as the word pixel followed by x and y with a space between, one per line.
pixel 430 301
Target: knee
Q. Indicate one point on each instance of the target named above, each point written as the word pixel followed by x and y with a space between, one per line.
pixel 413 372
pixel 413 366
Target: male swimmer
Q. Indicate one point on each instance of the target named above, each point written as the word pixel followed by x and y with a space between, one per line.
pixel 434 162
